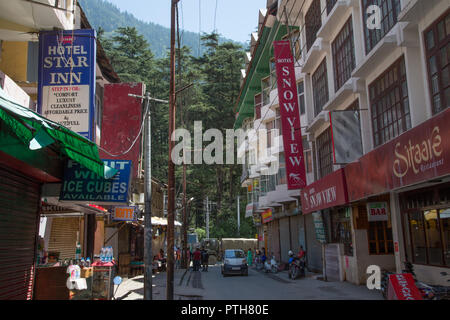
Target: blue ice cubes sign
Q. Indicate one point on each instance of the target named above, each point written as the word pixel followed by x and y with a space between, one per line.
pixel 81 185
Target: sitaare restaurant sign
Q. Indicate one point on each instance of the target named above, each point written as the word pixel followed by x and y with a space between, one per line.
pixel 66 86
pixel 81 185
pixel 418 155
pixel 290 115
pixel 325 193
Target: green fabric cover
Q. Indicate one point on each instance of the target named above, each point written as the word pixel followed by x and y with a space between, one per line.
pixel 38 132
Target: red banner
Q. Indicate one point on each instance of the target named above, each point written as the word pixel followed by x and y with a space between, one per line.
pixel 290 115
pixel 267 216
pixel 418 155
pixel 403 287
pixel 122 117
pixel 325 193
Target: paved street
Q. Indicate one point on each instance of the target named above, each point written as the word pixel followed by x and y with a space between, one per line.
pixel 212 285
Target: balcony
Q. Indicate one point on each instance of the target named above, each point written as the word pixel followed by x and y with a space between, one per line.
pixel 352 86
pixel 415 10
pixel 322 118
pixel 19 19
pixel 394 39
pixel 336 16
pixel 315 55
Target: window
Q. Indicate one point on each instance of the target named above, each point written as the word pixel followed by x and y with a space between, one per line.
pixel 273 75
pixel 437 47
pixel 265 86
pixel 330 5
pixel 380 238
pixel 301 96
pixel 294 39
pixel 313 22
pixel 281 177
pixel 390 104
pixel 320 87
pixel 325 153
pixel 307 153
pixel 258 105
pixel 389 13
pixel 430 236
pixel 343 55
pixel 341 229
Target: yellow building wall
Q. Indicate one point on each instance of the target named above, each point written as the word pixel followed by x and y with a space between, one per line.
pixel 14 59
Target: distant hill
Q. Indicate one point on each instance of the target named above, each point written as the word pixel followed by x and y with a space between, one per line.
pixel 101 13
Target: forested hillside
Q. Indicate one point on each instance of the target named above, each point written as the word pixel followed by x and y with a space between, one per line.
pixel 106 15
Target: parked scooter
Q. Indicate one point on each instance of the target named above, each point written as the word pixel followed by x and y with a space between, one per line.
pixel 271 266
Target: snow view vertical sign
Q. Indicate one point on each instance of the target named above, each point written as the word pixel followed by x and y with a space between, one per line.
pixel 66 89
pixel 290 115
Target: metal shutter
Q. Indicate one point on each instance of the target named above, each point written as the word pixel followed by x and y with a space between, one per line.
pixel 63 237
pixel 285 241
pixel 19 212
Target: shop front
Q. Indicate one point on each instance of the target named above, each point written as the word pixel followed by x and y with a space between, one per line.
pixel 328 240
pixel 409 177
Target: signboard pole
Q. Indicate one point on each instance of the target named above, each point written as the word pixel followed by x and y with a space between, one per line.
pixel 238 217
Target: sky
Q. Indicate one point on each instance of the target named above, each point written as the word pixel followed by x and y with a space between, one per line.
pixel 235 19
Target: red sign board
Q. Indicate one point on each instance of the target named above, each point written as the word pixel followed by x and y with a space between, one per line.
pixel 267 216
pixel 328 192
pixel 403 287
pixel 418 155
pixel 290 115
pixel 122 118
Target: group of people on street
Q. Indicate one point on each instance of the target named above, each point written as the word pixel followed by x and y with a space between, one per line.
pixel 200 259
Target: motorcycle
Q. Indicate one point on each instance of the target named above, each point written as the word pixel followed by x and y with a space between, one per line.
pixel 271 266
pixel 297 268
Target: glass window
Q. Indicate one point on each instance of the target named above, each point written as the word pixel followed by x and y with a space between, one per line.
pixel 418 237
pixel 313 22
pixel 433 236
pixel 389 13
pixel 258 105
pixel 230 254
pixel 444 217
pixel 343 55
pixel 320 87
pixel 265 86
pixel 437 45
pixel 325 153
pixel 301 96
pixel 380 238
pixel 390 104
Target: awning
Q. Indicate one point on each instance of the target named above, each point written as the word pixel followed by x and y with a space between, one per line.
pixel 38 132
pixel 157 221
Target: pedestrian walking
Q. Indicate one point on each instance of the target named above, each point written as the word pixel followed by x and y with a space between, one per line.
pixel 249 257
pixel 205 259
pixel 178 258
pixel 197 259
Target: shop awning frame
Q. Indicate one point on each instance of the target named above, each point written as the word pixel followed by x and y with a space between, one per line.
pixel 37 132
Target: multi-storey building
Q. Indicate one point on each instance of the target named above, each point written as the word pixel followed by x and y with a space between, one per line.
pixel 373 80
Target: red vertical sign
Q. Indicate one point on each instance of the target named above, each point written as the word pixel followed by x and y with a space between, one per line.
pixel 122 118
pixel 290 115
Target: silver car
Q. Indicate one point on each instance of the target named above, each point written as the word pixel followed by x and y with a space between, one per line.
pixel 234 262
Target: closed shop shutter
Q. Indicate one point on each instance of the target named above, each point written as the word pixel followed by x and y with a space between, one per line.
pixel 19 212
pixel 313 247
pixel 63 237
pixel 295 234
pixel 285 241
pixel 274 240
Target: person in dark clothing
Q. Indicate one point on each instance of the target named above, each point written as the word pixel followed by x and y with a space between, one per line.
pixel 205 259
pixel 197 259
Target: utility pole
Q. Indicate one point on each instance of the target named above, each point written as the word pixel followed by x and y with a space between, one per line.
pixel 148 196
pixel 207 217
pixel 171 169
pixel 238 217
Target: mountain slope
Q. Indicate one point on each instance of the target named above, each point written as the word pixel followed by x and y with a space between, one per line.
pixel 101 13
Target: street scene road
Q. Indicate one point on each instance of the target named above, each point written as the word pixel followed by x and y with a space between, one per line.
pixel 211 285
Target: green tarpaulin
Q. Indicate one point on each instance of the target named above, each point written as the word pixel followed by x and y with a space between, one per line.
pixel 38 132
